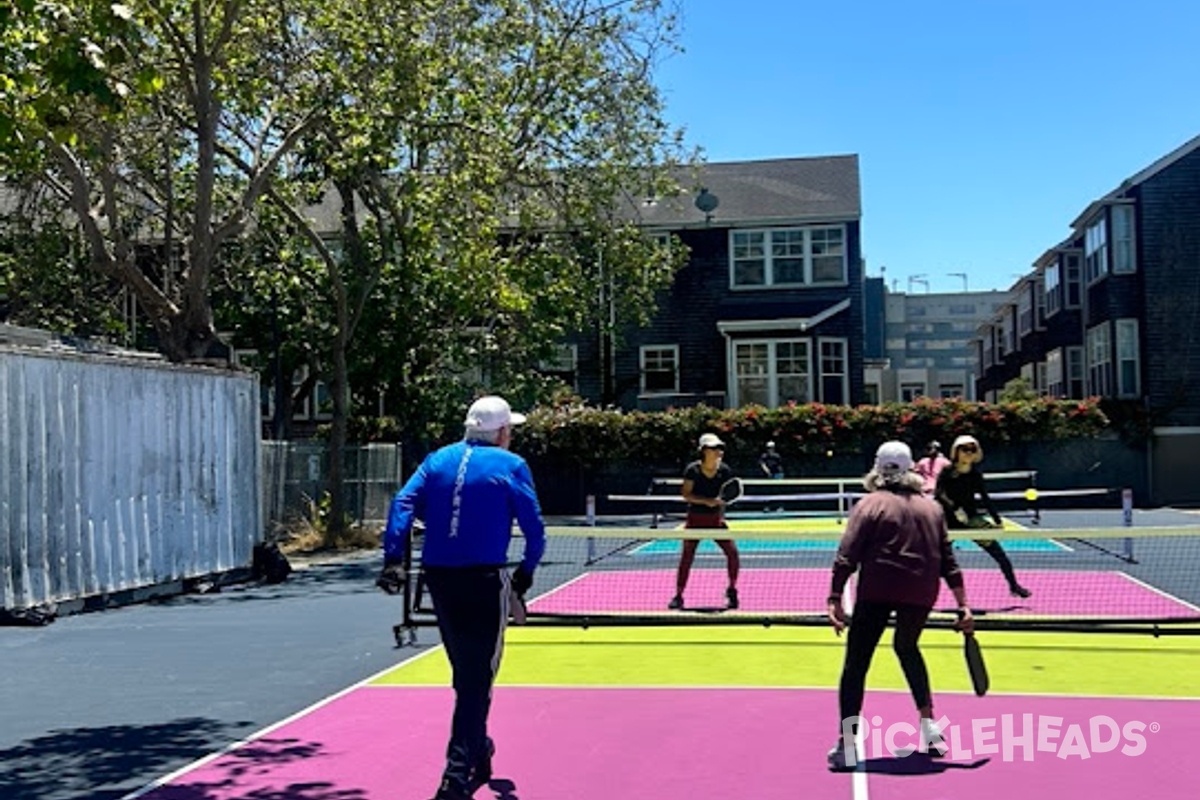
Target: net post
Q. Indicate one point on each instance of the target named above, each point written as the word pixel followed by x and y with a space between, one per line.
pixel 1127 521
pixel 591 523
pixel 1037 507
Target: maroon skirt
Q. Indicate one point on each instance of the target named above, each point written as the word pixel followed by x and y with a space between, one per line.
pixel 713 518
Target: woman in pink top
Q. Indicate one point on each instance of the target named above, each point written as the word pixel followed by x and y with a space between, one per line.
pixel 931 466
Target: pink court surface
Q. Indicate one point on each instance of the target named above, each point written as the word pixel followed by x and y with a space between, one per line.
pixel 742 712
pixel 1079 593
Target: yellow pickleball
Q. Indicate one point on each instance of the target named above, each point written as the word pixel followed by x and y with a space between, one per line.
pixel 1031 495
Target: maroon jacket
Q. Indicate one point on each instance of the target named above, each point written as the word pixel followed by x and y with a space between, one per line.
pixel 897 541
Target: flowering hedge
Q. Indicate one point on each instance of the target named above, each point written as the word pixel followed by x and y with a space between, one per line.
pixel 592 436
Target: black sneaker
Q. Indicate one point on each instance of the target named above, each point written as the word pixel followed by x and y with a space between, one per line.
pixel 451 791
pixel 1019 591
pixel 676 602
pixel 732 596
pixel 481 774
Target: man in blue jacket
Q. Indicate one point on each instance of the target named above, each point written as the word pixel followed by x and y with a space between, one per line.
pixel 468 495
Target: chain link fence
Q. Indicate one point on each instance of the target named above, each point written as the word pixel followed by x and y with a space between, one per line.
pixel 295 479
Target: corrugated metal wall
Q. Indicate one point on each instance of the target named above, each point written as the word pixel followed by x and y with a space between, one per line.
pixel 118 474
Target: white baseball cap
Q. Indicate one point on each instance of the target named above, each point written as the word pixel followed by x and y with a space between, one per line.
pixel 491 413
pixel 710 440
pixel 893 458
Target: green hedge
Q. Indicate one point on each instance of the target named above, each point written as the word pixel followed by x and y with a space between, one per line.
pixel 576 433
pixel 591 436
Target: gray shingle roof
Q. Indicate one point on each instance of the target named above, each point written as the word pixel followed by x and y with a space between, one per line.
pixel 771 191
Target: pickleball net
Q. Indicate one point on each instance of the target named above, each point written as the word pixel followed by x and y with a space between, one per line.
pixel 1086 571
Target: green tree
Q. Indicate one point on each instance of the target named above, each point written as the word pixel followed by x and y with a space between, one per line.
pixel 130 118
pixel 1018 390
pixel 44 280
pixel 479 159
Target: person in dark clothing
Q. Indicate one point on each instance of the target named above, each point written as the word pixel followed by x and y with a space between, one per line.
pixel 702 481
pixel 898 543
pixel 771 463
pixel 958 487
pixel 468 494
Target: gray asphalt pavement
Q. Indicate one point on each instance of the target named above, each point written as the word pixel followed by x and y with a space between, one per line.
pixel 97 705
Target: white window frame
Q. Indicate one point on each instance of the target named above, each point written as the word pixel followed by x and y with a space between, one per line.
pixel 1029 375
pixel 650 351
pixel 771 375
pixel 1075 372
pixel 1025 311
pixel 1099 360
pixel 1127 352
pixel 911 390
pixel 949 390
pixel 565 360
pixel 1124 254
pixel 1072 278
pixel 1095 251
pixel 1055 375
pixel 321 396
pixel 766 253
pixel 1053 288
pixel 844 373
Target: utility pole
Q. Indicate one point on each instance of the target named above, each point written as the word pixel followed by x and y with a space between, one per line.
pixel 920 280
pixel 962 275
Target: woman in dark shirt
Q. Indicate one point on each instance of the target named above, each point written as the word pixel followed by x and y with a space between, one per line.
pixel 702 481
pixel 958 486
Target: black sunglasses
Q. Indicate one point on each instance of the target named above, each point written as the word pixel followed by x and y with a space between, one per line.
pixel 969 448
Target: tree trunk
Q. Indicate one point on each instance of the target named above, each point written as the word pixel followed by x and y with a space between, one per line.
pixel 340 390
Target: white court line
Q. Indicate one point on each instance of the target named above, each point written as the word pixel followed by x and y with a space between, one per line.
pixel 858 781
pixel 1158 591
pixel 200 762
pixel 558 588
pixel 734 687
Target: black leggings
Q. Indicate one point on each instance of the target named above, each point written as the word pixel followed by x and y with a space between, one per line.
pixel 866 628
pixel 993 549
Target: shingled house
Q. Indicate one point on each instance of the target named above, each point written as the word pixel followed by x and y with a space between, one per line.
pixel 1114 311
pixel 769 307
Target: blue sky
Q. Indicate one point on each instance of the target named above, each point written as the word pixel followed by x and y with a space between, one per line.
pixel 983 127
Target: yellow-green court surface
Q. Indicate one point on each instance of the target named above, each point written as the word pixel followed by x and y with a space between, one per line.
pixel 1079 664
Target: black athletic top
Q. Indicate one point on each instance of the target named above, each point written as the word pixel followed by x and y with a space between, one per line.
pixel 772 462
pixel 957 490
pixel 704 486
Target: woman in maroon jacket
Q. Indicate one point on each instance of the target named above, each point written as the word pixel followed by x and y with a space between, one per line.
pixel 897 542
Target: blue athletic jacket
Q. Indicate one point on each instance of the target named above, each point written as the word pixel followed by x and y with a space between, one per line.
pixel 468 495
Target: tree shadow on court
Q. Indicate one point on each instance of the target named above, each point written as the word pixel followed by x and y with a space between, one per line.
pixel 918 764
pixel 105 762
pixel 223 790
pixel 110 762
pixel 237 772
